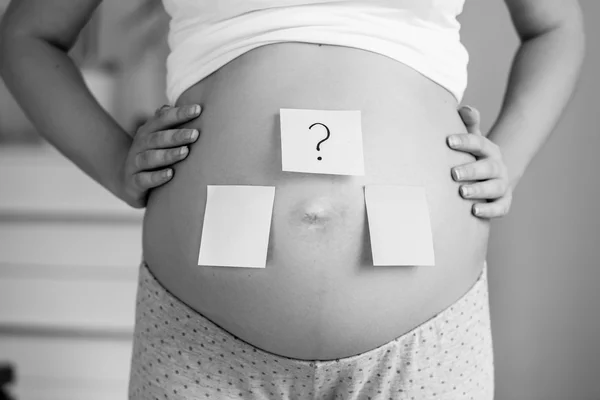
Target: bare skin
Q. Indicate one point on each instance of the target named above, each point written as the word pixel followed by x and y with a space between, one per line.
pixel 319 279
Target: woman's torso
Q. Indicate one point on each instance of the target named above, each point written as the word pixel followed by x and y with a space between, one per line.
pixel 319 297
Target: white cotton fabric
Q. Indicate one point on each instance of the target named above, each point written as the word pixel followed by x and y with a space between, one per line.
pixel 423 34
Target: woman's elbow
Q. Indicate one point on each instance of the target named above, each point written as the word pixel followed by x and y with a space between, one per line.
pixel 580 37
pixel 10 39
pixel 567 35
pixel 572 32
pixel 5 53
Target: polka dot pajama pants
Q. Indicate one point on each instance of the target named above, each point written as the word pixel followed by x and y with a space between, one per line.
pixel 179 354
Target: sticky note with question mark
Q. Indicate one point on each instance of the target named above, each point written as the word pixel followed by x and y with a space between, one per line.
pixel 321 141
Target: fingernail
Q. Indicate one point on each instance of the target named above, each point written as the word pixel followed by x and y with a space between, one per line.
pixel 169 173
pixel 468 108
pixel 465 191
pixel 477 211
pixel 194 110
pixel 194 134
pixel 453 141
pixel 456 173
pixel 183 150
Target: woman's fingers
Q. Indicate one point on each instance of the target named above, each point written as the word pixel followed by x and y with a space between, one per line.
pixel 156 145
pixel 490 189
pixel 471 118
pixel 161 108
pixel 151 159
pixel 488 175
pixel 495 209
pixel 478 145
pixel 149 179
pixel 168 138
pixel 486 168
pixel 169 117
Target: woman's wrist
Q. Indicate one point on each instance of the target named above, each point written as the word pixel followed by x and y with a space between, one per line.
pixel 117 183
pixel 513 154
pixel 122 187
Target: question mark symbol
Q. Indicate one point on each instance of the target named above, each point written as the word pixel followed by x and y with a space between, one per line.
pixel 327 137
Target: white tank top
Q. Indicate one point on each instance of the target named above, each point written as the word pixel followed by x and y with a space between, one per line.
pixel 423 34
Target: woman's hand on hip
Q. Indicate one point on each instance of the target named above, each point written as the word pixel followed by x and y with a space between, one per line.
pixel 156 146
pixel 489 169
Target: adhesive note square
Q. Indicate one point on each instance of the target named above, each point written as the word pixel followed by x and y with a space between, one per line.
pixel 321 141
pixel 237 221
pixel 399 225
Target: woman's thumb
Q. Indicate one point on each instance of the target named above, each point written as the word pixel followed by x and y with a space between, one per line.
pixel 471 118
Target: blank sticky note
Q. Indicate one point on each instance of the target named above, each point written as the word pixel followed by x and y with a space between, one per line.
pixel 236 226
pixel 399 225
pixel 322 141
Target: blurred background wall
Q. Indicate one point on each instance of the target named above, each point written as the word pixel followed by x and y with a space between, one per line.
pixel 544 257
pixel 69 252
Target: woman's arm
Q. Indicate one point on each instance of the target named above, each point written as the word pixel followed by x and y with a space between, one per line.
pixel 542 78
pixel 35 37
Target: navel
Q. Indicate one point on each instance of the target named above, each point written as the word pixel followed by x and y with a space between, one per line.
pixel 318 212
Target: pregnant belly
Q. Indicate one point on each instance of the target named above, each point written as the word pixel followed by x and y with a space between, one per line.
pixel 319 297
